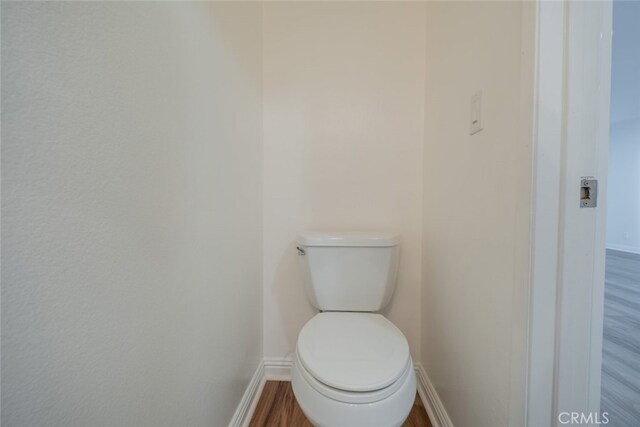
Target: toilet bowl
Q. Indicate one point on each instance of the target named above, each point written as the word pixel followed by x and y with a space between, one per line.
pixel 353 369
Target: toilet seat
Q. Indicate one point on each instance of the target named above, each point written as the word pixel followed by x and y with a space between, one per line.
pixel 369 354
pixel 353 397
pixel 352 356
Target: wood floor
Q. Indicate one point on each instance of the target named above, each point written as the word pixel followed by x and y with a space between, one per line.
pixel 277 407
pixel 621 340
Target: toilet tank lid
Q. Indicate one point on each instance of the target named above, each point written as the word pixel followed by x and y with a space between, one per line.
pixel 349 238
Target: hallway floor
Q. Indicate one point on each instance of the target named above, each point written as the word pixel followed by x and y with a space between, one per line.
pixel 277 407
pixel 621 343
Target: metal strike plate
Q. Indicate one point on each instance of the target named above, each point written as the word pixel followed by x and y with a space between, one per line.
pixel 588 192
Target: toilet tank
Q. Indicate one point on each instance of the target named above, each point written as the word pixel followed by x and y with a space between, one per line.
pixel 352 271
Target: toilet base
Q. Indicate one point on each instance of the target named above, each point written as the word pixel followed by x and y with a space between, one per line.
pixel 323 411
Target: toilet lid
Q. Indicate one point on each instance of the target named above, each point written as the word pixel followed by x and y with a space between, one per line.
pixel 353 351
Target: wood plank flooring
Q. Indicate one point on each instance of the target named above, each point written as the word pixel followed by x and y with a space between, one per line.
pixel 621 340
pixel 277 407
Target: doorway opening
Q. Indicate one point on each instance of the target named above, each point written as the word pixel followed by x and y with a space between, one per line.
pixel 620 389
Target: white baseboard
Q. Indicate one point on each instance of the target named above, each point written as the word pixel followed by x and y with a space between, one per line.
pixel 430 399
pixel 624 248
pixel 278 368
pixel 269 369
pixel 249 400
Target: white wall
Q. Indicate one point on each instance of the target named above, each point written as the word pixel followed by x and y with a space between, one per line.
pixel 476 209
pixel 623 197
pixel 343 132
pixel 131 212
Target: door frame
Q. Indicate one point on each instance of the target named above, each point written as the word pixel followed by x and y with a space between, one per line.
pixel 571 139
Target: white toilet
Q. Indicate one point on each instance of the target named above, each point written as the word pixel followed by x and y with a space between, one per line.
pixel 352 367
